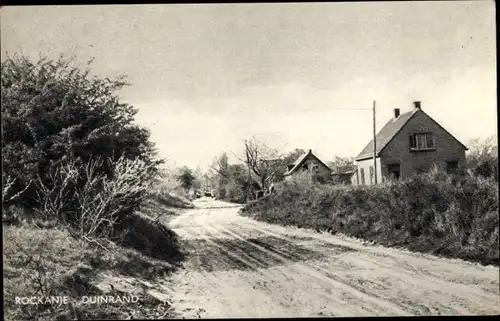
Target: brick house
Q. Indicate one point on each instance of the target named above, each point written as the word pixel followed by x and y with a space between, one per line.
pixel 409 143
pixel 308 162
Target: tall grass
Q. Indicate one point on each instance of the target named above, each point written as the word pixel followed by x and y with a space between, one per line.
pixel 434 213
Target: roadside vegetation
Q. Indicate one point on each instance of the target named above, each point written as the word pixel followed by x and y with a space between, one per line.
pixel 258 169
pixel 83 195
pixel 455 217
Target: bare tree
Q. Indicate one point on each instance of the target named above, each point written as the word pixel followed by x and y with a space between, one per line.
pixel 264 162
pixel 7 189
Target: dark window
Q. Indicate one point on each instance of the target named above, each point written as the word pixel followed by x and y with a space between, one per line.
pixel 422 141
pixel 362 175
pixel 430 140
pixel 371 174
pixel 413 143
pixel 394 171
pixel 357 177
pixel 451 166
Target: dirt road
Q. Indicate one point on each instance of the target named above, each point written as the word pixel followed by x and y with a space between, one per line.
pixel 239 267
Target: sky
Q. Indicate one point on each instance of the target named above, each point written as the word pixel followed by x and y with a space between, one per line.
pixel 205 77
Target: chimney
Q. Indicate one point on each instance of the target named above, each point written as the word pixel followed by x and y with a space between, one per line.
pixel 417 104
pixel 396 112
pixel 310 151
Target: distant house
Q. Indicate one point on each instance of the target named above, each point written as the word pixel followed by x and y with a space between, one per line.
pixel 308 162
pixel 409 143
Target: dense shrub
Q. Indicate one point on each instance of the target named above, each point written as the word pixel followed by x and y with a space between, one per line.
pixel 435 212
pixel 482 157
pixel 71 150
pixel 54 112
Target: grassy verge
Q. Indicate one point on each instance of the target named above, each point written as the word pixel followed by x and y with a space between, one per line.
pixel 46 261
pixel 433 213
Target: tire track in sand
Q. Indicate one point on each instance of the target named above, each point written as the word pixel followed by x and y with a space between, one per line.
pixel 382 280
pixel 375 303
pixel 287 276
pixel 400 282
pixel 280 296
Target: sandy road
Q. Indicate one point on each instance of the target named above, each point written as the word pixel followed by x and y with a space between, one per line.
pixel 239 267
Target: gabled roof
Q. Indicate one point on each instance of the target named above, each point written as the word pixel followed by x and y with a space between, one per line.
pixel 386 134
pixel 302 159
pixel 390 130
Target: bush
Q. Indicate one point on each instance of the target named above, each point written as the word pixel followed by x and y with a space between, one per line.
pixel 90 204
pixel 235 192
pixel 73 162
pixel 482 157
pixel 438 213
pixel 54 112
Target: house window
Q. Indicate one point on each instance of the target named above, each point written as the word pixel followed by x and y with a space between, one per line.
pixel 371 174
pixel 362 170
pixel 451 166
pixel 394 171
pixel 422 141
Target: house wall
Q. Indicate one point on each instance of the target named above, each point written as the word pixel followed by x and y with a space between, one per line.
pixel 354 180
pixel 398 150
pixel 365 164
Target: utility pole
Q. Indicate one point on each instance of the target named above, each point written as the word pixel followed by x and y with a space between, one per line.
pixel 249 186
pixel 374 146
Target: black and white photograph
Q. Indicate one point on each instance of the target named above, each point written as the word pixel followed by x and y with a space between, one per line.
pixel 249 160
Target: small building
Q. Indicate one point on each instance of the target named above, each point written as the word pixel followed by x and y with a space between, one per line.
pixel 409 143
pixel 308 162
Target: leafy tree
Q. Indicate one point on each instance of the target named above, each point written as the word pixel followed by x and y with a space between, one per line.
pixel 220 170
pixel 292 156
pixel 342 164
pixel 54 113
pixel 237 186
pixel 186 177
pixel 198 178
pixel 482 157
